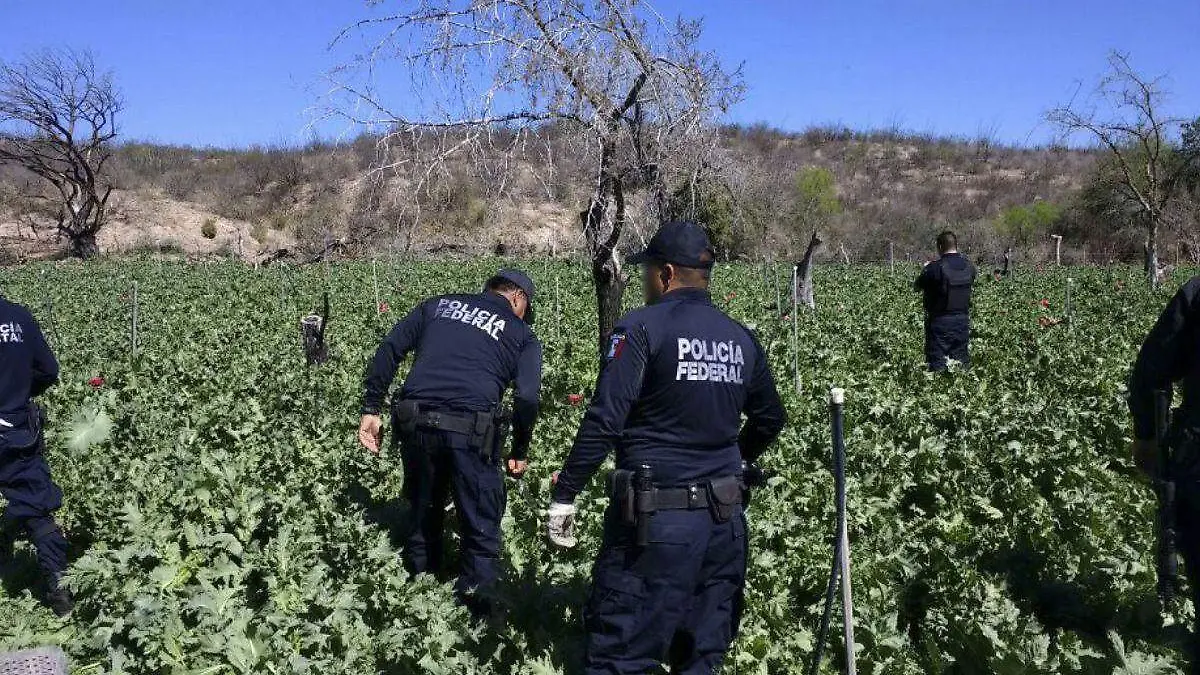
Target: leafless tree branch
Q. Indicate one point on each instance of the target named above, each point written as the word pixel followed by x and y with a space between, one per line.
pixel 57 120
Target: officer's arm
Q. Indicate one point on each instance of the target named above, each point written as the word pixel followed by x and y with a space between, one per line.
pixel 528 384
pixel 925 278
pixel 618 387
pixel 765 416
pixel 45 366
pixel 1162 359
pixel 405 337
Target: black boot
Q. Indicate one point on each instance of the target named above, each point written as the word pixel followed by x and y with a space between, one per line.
pixel 51 548
pixel 58 598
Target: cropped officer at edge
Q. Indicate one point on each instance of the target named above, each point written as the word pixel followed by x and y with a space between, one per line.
pixel 679 375
pixel 946 285
pixel 448 421
pixel 1170 355
pixel 27 369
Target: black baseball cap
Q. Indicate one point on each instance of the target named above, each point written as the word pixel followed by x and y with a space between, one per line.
pixel 680 242
pixel 521 281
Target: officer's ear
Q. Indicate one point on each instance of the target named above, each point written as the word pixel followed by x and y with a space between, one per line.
pixel 666 274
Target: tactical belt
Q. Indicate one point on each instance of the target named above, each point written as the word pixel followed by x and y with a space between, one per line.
pixel 637 499
pixel 689 498
pixel 459 424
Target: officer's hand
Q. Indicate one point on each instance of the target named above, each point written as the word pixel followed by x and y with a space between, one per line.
pixel 1145 455
pixel 370 432
pixel 561 525
pixel 516 467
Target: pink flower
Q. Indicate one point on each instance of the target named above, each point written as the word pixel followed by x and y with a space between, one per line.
pixel 383 308
pixel 574 399
pixel 1045 303
pixel 96 382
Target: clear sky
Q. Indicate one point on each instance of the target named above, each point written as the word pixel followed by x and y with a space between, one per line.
pixel 239 72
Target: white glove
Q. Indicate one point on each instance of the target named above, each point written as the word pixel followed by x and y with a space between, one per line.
pixel 561 525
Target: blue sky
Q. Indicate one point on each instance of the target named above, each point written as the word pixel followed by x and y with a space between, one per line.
pixel 239 72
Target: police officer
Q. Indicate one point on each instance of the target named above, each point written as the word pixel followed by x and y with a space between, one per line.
pixel 1170 355
pixel 27 369
pixel 679 375
pixel 448 421
pixel 946 285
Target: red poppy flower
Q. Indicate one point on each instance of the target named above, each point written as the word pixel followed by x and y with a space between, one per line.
pixel 383 308
pixel 96 382
pixel 1045 303
pixel 574 399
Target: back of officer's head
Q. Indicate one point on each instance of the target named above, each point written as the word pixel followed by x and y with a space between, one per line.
pixel 511 292
pixel 679 255
pixel 947 242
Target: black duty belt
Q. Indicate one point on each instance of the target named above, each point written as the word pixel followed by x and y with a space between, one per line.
pixel 689 498
pixel 458 424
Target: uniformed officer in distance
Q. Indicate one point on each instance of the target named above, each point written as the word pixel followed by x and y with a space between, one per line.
pixel 27 369
pixel 679 375
pixel 946 285
pixel 447 420
pixel 1171 355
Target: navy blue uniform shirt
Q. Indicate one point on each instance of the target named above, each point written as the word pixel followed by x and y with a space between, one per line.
pixel 469 348
pixel 679 375
pixel 946 285
pixel 27 366
pixel 1171 353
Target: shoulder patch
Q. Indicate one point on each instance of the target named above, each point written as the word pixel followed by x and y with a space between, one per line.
pixel 616 345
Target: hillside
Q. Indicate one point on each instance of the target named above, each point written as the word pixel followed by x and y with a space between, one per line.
pixel 892 188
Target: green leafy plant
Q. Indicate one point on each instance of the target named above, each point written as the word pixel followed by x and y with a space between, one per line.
pixel 225 520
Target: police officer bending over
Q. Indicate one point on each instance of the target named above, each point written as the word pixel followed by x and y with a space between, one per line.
pixel 946 284
pixel 1170 354
pixel 28 369
pixel 449 424
pixel 667 584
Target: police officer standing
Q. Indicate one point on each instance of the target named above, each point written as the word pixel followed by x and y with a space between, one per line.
pixel 1170 355
pixel 679 375
pixel 27 369
pixel 946 285
pixel 448 421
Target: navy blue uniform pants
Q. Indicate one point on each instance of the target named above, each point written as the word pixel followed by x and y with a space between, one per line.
pixel 32 500
pixel 947 337
pixel 676 601
pixel 438 466
pixel 1187 519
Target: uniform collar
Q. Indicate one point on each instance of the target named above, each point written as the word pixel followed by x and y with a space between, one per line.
pixel 689 295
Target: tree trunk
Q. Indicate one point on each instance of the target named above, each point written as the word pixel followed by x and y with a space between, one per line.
pixel 82 245
pixel 804 283
pixel 1152 251
pixel 607 278
pixel 610 288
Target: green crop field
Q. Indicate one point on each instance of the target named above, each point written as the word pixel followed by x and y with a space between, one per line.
pixel 224 520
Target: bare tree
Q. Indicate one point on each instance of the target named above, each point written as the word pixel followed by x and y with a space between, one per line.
pixel 1125 116
pixel 501 82
pixel 57 120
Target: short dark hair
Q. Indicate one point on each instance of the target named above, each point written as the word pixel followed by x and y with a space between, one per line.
pixel 946 241
pixel 502 285
pixel 694 276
